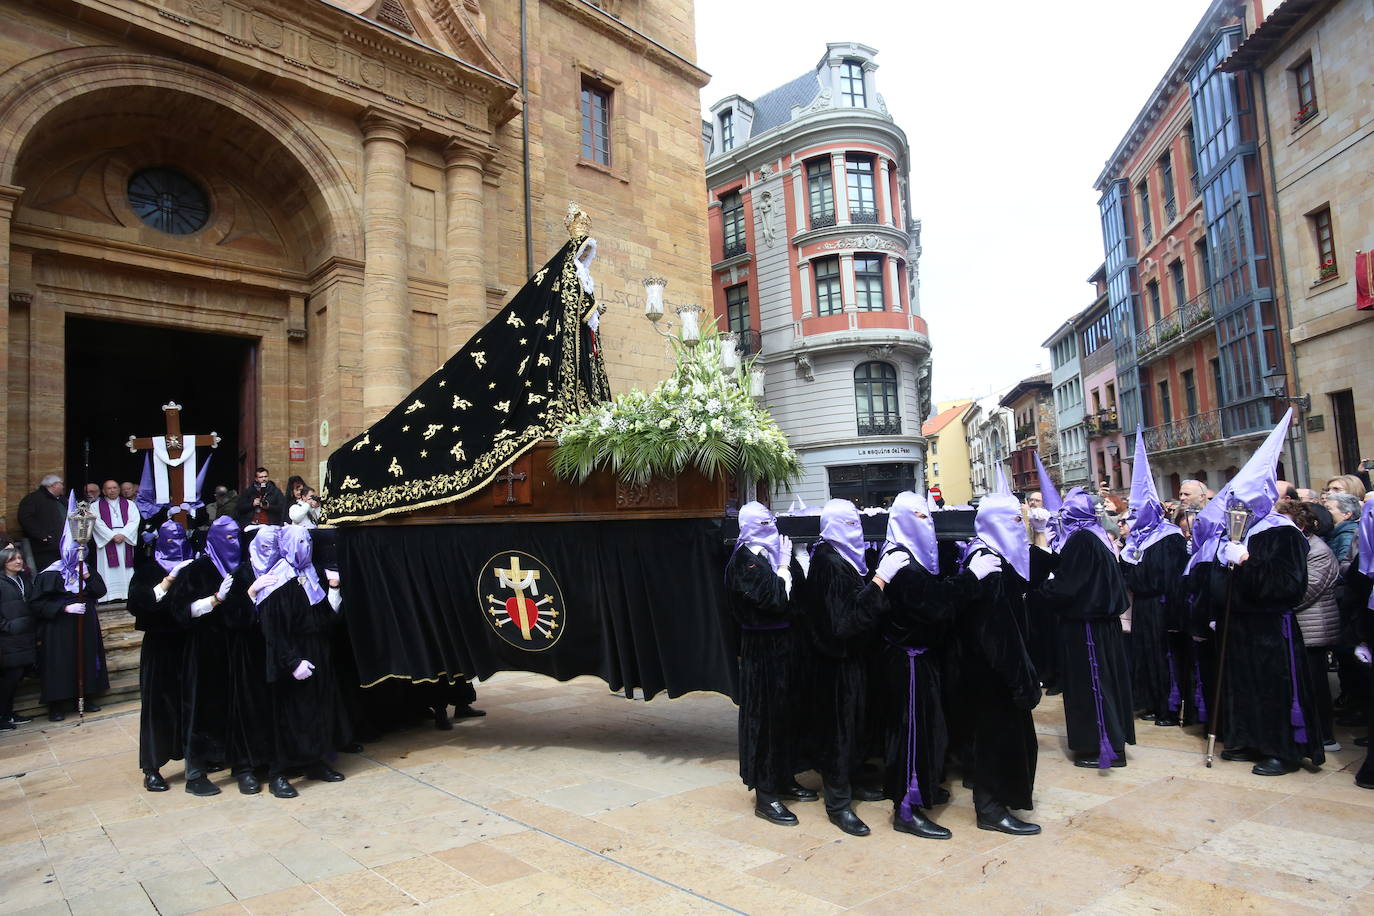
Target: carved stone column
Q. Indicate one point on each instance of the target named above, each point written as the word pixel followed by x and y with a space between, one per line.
pixel 885 192
pixel 848 295
pixel 804 278
pixel 465 241
pixel 386 309
pixel 9 198
pixel 892 285
pixel 841 183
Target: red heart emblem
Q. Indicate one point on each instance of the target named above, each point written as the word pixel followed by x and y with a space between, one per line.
pixel 522 612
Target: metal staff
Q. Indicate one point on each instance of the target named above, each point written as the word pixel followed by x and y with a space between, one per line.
pixel 81 523
pixel 1237 520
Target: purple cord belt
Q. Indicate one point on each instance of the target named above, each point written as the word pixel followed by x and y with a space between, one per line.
pixel 1105 754
pixel 912 798
pixel 1295 716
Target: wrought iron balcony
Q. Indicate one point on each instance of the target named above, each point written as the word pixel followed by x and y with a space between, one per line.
pixel 1025 432
pixel 1182 433
pixel 1147 234
pixel 863 216
pixel 1102 423
pixel 735 249
pixel 1173 328
pixel 749 342
pixel 1170 210
pixel 822 220
pixel 880 426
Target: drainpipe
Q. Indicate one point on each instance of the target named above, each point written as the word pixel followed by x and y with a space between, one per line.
pixel 525 135
pixel 1300 455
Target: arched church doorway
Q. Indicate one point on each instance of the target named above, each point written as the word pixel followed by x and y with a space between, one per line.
pixel 119 375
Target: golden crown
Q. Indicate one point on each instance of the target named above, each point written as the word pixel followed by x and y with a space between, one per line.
pixel 578 221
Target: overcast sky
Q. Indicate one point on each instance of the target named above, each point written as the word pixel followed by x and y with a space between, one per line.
pixel 1011 110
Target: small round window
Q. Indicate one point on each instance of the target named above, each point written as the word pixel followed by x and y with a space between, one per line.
pixel 168 200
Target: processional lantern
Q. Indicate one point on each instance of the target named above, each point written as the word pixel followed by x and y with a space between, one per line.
pixel 81 523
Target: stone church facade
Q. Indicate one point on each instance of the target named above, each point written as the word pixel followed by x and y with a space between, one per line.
pixel 315 203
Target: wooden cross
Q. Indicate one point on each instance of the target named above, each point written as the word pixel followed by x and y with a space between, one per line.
pixel 509 478
pixel 515 578
pixel 174 446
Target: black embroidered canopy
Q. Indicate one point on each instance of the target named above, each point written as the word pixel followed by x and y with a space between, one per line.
pixel 528 371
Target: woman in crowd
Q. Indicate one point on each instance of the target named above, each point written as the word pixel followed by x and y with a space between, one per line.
pixel 1318 616
pixel 18 632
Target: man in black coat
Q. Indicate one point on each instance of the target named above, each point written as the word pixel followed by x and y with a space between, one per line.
pixel 260 504
pixel 42 516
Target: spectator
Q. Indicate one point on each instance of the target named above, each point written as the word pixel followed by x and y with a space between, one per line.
pixel 128 489
pixel 225 499
pixel 1192 494
pixel 260 504
pixel 18 629
pixel 294 485
pixel 305 511
pixel 42 516
pixel 1346 483
pixel 1319 618
pixel 92 491
pixel 1345 511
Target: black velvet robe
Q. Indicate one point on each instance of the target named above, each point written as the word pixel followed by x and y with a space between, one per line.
pixel 1088 596
pixel 1263 666
pixel 1160 661
pixel 1042 635
pixel 57 637
pixel 1001 687
pixel 772 650
pixel 844 609
pixel 1197 595
pixel 923 609
pixel 161 669
pixel 308 719
pixel 1355 606
pixel 248 734
pixel 206 675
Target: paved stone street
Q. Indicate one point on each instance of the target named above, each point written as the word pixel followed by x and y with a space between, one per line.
pixel 568 799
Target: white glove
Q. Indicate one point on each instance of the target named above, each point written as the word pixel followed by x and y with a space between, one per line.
pixel 785 574
pixel 785 552
pixel 1233 554
pixel 594 321
pixel 1040 519
pixel 201 607
pixel 76 607
pixel 303 670
pixel 266 580
pixel 332 577
pixel 179 567
pixel 224 587
pixel 984 565
pixel 892 563
pixel 1212 625
pixel 803 558
pixel 1363 654
pixel 335 598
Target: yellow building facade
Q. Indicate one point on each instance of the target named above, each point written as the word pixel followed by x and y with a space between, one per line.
pixel 947 459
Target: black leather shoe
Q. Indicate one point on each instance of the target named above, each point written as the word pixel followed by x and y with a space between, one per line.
pixel 921 826
pixel 153 781
pixel 776 813
pixel 468 712
pixel 442 721
pixel 248 783
pixel 1146 717
pixel 7 724
pixel 1361 742
pixel 849 822
pixel 202 787
pixel 321 772
pixel 17 719
pixel 1167 723
pixel 93 707
pixel 1364 785
pixel 862 793
pixel 56 716
pixel 941 796
pixel 1009 823
pixel 281 788
pixel 1237 753
pixel 1273 766
pixel 1054 691
pixel 1090 763
pixel 799 792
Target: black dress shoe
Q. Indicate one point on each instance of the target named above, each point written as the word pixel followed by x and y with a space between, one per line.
pixel 1008 823
pixel 941 796
pixel 322 772
pixel 153 781
pixel 1364 785
pixel 862 793
pixel 17 719
pixel 442 721
pixel 468 712
pixel 776 813
pixel 1146 717
pixel 1361 742
pixel 1238 753
pixel 921 826
pixel 202 787
pixel 248 784
pixel 7 724
pixel 799 792
pixel 1167 723
pixel 1273 766
pixel 849 822
pixel 1054 691
pixel 1091 763
pixel 281 788
pixel 93 707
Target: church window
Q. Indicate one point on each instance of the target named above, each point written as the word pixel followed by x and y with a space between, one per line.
pixel 852 84
pixel 868 282
pixel 596 123
pixel 827 271
pixel 168 200
pixel 875 396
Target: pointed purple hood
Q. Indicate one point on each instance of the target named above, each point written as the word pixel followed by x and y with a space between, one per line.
pixel 909 525
pixel 1148 524
pixel 1079 514
pixel 758 528
pixel 68 562
pixel 842 529
pixel 999 527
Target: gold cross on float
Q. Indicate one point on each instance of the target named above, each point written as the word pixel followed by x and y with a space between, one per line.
pixel 517 580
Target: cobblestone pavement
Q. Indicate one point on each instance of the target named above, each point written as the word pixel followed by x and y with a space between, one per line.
pixel 569 799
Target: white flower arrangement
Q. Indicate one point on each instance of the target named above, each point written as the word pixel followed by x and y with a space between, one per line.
pixel 698 416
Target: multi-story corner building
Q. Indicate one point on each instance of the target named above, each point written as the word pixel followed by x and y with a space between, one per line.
pixel 1034 429
pixel 815 265
pixel 1097 365
pixel 988 432
pixel 1196 318
pixel 947 452
pixel 1069 411
pixel 1312 67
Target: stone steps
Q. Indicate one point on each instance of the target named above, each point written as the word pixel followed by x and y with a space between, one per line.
pixel 122 646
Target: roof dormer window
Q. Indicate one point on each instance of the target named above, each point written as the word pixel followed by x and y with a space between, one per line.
pixel 727 130
pixel 852 84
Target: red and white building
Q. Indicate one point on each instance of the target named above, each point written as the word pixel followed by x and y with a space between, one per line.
pixel 816 265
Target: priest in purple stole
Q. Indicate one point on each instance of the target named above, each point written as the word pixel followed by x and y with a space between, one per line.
pixel 116 535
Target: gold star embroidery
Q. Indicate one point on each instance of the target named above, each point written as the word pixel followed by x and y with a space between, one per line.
pixel 442 383
pixel 377 447
pixel 395 468
pixel 405 429
pixel 514 320
pixel 490 385
pixel 550 337
pixel 424 454
pixel 523 341
pixel 416 405
pixel 456 428
pixel 480 358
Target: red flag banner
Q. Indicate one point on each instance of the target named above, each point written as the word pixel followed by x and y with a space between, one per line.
pixel 1364 280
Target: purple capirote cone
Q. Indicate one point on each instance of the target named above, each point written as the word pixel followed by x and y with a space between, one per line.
pixel 1000 528
pixel 758 528
pixel 68 562
pixel 172 546
pixel 842 529
pixel 909 525
pixel 1257 484
pixel 1079 514
pixel 296 550
pixel 264 551
pixel 223 545
pixel 1148 524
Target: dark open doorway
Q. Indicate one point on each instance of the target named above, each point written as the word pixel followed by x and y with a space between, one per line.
pixel 120 375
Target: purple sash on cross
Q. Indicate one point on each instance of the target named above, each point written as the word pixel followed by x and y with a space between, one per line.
pixel 112 549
